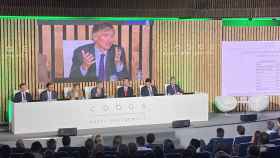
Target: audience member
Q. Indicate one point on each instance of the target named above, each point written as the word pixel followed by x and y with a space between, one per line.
pixel 203 146
pixel 150 140
pixel 49 154
pixel 20 147
pixel 36 149
pixel 195 143
pixel 278 125
pixel 66 142
pixel 117 141
pixel 28 155
pixel 270 127
pixel 264 142
pixel 98 139
pixel 132 149
pixel 220 135
pixel 190 152
pixel 240 130
pixel 140 141
pixel 158 152
pixel 84 152
pixel 5 151
pixel 123 151
pixel 222 154
pixel 89 145
pixel 51 145
pixel 253 151
pixel 168 146
pixel 256 138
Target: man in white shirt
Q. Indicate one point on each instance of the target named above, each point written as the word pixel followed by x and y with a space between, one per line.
pixel 270 127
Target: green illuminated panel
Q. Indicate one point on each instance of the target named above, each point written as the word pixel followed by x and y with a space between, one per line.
pixel 250 22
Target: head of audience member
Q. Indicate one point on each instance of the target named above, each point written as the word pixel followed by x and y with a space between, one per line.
pixel 50 86
pixel 36 147
pixel 264 138
pixel 20 144
pixel 203 146
pixel 222 154
pixel 89 144
pixel 84 152
pixel 123 151
pixel 126 82
pixel 132 149
pixel 158 152
pixel 103 35
pixel 148 82
pixel 190 152
pixel 98 139
pixel 150 138
pixel 220 133
pixel 28 155
pixel 99 148
pixel 99 84
pixel 240 130
pixel 140 141
pixel 117 141
pixel 253 151
pixel 168 146
pixel 23 87
pixel 270 125
pixel 172 80
pixel 256 137
pixel 5 151
pixel 195 143
pixel 66 141
pixel 51 145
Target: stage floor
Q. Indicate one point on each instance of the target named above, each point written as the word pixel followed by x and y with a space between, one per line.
pixel 180 135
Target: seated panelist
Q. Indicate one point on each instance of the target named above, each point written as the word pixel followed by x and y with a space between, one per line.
pixel 76 93
pixel 173 88
pixel 125 90
pixel 148 89
pixel 22 95
pixel 49 94
pixel 98 91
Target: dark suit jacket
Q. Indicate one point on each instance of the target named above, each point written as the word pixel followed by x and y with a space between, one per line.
pixel 44 95
pixel 145 91
pixel 110 67
pixel 94 91
pixel 121 92
pixel 17 97
pixel 212 143
pixel 170 90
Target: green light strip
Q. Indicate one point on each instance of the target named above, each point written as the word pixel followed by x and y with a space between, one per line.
pixel 250 22
pixel 99 18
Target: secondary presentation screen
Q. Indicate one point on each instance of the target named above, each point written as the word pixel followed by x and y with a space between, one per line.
pixel 250 68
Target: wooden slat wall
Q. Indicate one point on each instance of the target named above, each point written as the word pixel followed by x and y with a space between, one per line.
pixel 271 33
pixel 188 50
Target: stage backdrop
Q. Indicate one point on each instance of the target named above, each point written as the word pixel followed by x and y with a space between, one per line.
pixel 188 49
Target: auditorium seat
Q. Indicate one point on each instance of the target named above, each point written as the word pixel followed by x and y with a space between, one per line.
pixel 273 136
pixel 242 139
pixel 275 141
pixel 242 149
pixel 225 144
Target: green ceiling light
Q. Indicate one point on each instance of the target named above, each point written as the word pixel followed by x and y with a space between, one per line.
pixel 250 22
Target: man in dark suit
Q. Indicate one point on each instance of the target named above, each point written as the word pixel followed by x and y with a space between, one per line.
pixel 101 60
pixel 98 91
pixel 148 89
pixel 22 95
pixel 49 94
pixel 125 90
pixel 173 88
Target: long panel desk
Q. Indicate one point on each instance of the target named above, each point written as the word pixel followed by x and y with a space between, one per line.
pixel 37 117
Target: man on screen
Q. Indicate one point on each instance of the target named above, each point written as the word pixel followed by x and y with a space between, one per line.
pixel 101 60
